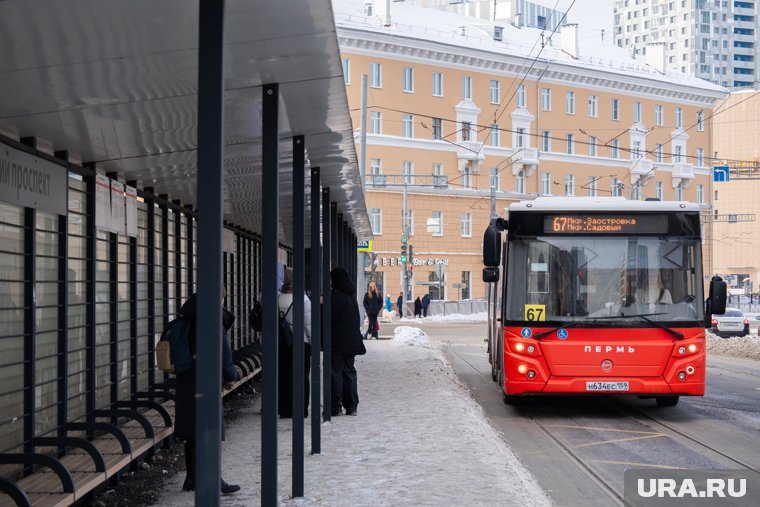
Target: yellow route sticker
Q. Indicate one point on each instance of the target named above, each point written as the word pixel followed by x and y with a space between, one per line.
pixel 535 313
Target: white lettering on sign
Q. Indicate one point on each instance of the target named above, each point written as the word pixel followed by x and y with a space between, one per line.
pixel 393 261
pixel 607 348
pixel 31 181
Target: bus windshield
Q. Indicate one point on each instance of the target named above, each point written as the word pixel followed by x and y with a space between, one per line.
pixel 586 278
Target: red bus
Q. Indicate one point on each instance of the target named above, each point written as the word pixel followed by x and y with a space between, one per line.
pixel 598 295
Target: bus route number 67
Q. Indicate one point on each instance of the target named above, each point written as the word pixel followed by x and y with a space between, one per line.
pixel 535 313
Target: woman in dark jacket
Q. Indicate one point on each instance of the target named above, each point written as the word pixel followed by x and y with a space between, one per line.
pixel 184 419
pixel 373 304
pixel 417 307
pixel 346 343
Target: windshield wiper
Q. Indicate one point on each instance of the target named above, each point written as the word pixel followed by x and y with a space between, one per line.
pixel 540 335
pixel 645 317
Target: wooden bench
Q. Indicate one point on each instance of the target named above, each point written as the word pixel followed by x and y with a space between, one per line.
pixel 46 487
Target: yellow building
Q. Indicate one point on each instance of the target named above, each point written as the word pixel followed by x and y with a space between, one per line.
pixel 458 106
pixel 736 203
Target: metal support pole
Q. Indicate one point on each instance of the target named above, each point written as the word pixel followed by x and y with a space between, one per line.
pixel 333 217
pixel 269 233
pixel 316 314
pixel 404 272
pixel 298 309
pixel 327 257
pixel 208 389
pixel 341 239
pixel 30 329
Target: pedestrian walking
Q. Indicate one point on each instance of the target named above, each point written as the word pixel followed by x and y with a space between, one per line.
pixel 388 304
pixel 285 356
pixel 373 303
pixel 346 343
pixel 417 308
pixel 425 304
pixel 400 305
pixel 184 424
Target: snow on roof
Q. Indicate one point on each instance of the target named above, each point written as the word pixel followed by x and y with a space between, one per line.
pixel 600 204
pixel 428 24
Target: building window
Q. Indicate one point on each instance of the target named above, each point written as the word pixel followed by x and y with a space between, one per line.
pixel 437 129
pixel 570 103
pixel 616 187
pixel 615 148
pixel 464 287
pixel 466 225
pixel 519 137
pixel 636 150
pixel 592 106
pixel 636 191
pixel 701 194
pixel 615 109
pixel 376 166
pixel 570 144
pixel 592 190
pixel 546 141
pixel 679 118
pixel 408 79
pixel 658 190
pixel 495 182
pixel 592 146
pixel 408 172
pixel 437 223
pixel 546 99
pixel 493 135
pixel 700 157
pixel 376 122
pixel 409 224
pixel 466 87
pixel 520 188
pixel 437 84
pixel 637 112
pixel 437 169
pixel 467 177
pixel 658 115
pixel 408 123
pixel 700 121
pixel 546 183
pixel 376 220
pixel 494 92
pixel 678 153
pixel 466 127
pixel 375 75
pixel 521 96
pixel 569 184
pixel 346 70
pixel 679 192
pixel 658 153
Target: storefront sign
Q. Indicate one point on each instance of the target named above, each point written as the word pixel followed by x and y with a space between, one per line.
pixel 394 261
pixel 33 182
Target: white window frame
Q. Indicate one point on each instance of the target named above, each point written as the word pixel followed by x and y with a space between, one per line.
pixel 407 170
pixel 546 141
pixel 700 121
pixel 438 84
pixel 570 102
pixel 376 122
pixel 466 225
pixel 592 186
pixel 521 96
pixel 592 146
pixel 615 189
pixel 700 194
pixel 466 87
pixel 592 109
pixel 637 111
pixel 493 91
pixel 375 75
pixel 467 177
pixel 346 62
pixel 546 99
pixel 408 84
pixel 493 136
pixel 437 130
pixel 376 220
pixel 570 144
pixel 519 137
pixel 569 184
pixel 677 154
pixel 679 192
pixel 439 215
pixel 615 148
pixel 495 179
pixel 658 190
pixel 520 182
pixel 658 153
pixel 546 183
pixel 410 221
pixel 407 122
pixel 658 115
pixel 376 166
pixel 615 109
pixel 679 118
pixel 700 157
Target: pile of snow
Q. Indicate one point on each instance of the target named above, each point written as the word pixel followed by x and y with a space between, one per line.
pixel 454 317
pixel 411 336
pixel 747 347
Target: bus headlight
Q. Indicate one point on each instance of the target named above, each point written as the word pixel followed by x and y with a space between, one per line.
pixel 519 346
pixel 693 348
pixel 522 369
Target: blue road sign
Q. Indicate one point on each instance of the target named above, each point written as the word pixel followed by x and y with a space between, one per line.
pixel 526 332
pixel 721 173
pixel 562 334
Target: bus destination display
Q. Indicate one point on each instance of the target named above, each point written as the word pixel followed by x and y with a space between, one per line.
pixel 605 224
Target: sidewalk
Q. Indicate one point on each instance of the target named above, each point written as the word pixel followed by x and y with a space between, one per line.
pixel 419 439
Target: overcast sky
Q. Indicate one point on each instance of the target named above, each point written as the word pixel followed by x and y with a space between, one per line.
pixel 595 13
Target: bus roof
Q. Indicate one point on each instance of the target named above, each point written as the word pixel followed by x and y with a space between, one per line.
pixel 600 204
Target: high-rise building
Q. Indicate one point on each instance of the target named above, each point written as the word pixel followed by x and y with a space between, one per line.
pixel 460 125
pixel 709 39
pixel 521 13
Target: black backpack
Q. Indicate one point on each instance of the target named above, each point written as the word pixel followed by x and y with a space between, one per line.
pixel 285 331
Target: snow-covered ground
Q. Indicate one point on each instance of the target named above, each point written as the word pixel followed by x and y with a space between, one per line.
pixel 747 347
pixel 419 439
pixel 454 317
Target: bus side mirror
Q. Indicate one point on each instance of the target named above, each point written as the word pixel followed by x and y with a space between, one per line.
pixel 716 302
pixel 491 275
pixel 492 244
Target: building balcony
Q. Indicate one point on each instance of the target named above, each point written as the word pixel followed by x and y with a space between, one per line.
pixel 739 37
pixel 378 180
pixel 744 11
pixel 641 169
pixel 683 174
pixel 743 51
pixel 750 25
pixel 524 159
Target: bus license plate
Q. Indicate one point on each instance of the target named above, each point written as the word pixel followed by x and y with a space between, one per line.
pixel 606 386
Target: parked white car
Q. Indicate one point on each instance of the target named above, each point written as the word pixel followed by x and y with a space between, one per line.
pixel 731 323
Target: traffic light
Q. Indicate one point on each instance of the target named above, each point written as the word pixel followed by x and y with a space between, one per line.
pixel 403 251
pixel 411 254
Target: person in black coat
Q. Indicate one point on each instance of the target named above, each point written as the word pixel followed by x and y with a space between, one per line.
pixel 373 304
pixel 400 305
pixel 346 343
pixel 184 419
pixel 417 307
pixel 425 304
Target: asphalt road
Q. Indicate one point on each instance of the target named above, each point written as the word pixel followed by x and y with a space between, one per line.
pixel 579 447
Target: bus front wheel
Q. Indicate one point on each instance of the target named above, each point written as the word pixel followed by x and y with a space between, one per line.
pixel 666 401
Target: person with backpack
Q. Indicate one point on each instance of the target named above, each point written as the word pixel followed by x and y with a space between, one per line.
pixel 285 352
pixel 184 420
pixel 373 304
pixel 347 343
